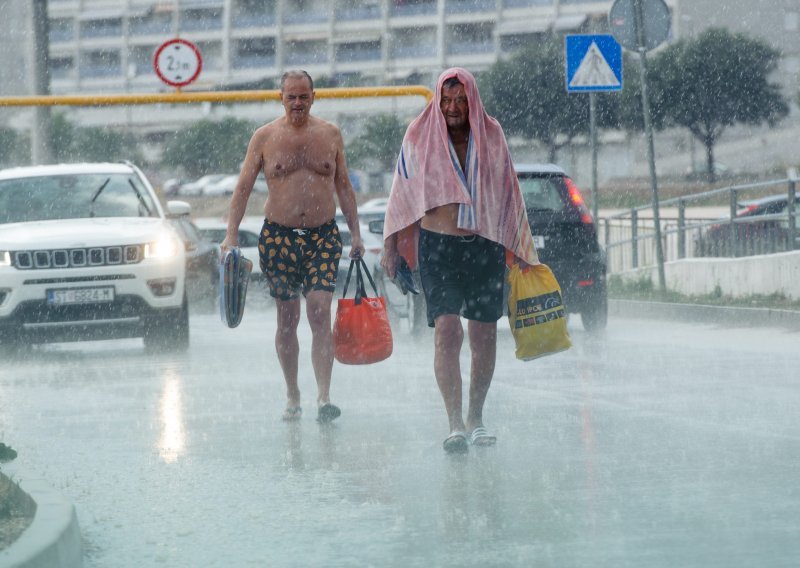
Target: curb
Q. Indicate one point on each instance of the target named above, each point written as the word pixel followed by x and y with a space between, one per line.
pixel 53 539
pixel 735 316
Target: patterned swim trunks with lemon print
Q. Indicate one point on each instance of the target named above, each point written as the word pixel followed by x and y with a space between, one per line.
pixel 295 260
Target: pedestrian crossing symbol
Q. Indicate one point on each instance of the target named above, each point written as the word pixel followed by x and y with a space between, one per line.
pixel 593 63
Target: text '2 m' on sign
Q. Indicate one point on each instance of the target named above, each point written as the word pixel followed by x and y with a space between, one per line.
pixel 593 63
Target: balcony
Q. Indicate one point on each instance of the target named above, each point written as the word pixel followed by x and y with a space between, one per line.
pixel 201 24
pixel 305 18
pixel 254 20
pixel 413 9
pixel 527 3
pixel 469 47
pixel 306 58
pixel 58 73
pixel 354 55
pixel 101 28
pixel 406 51
pixel 138 26
pixel 100 71
pixel 253 61
pixel 470 6
pixel 372 12
pixel 60 35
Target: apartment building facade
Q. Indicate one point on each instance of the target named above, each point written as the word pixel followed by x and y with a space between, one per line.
pixel 108 45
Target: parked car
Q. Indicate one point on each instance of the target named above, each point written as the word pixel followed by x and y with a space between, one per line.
pixel 202 259
pixel 214 230
pixel 173 185
pixel 373 247
pixel 227 184
pixel 762 227
pixel 87 252
pixel 199 186
pixel 565 237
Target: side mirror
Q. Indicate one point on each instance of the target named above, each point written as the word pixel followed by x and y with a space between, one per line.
pixel 178 208
pixel 376 226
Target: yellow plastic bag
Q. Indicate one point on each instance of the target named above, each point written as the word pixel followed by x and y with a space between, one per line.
pixel 536 312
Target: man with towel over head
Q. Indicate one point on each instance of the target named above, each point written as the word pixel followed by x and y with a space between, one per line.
pixel 456 211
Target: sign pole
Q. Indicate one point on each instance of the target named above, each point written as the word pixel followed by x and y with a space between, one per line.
pixel 648 127
pixel 593 137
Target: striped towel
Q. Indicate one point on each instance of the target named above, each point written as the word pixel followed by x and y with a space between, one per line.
pixel 429 175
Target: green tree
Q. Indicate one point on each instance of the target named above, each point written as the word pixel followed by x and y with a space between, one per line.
pixel 9 143
pixel 527 94
pixel 62 138
pixel 209 146
pixel 71 143
pixel 709 83
pixel 377 147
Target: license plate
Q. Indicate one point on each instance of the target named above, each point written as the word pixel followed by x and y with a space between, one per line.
pixel 80 295
pixel 538 241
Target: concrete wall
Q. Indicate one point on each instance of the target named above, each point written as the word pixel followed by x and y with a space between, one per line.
pixel 735 277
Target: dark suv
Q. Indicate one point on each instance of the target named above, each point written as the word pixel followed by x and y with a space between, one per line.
pixel 565 237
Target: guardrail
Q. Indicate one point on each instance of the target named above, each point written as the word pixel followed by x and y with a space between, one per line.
pixel 629 236
pixel 177 97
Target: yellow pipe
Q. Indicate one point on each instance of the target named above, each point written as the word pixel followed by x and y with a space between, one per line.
pixel 179 97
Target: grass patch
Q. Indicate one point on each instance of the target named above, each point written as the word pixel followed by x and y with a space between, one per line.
pixel 644 290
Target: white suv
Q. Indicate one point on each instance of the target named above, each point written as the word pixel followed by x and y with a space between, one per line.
pixel 86 253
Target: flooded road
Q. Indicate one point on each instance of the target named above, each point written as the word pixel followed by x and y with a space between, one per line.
pixel 654 444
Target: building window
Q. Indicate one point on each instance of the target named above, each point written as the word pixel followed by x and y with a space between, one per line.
pixel 61 67
pixel 470 38
pixel 150 24
pixel 254 52
pixel 306 11
pixel 61 29
pixel 413 7
pixel 358 51
pixel 205 19
pixel 462 6
pixel 358 10
pixel 306 52
pixel 108 27
pixel 140 60
pixel 100 63
pixel 413 42
pixel 254 13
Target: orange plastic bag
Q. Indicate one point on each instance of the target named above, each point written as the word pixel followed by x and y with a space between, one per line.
pixel 361 331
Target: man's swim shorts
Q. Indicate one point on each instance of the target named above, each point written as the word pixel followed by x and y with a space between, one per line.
pixel 295 260
pixel 462 275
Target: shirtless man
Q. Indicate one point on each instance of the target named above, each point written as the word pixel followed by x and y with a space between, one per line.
pixel 456 211
pixel 303 160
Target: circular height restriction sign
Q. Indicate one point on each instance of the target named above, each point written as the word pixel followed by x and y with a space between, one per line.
pixel 178 62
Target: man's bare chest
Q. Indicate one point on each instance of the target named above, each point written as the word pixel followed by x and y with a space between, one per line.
pixel 284 158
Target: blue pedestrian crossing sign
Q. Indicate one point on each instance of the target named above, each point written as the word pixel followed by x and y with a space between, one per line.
pixel 593 63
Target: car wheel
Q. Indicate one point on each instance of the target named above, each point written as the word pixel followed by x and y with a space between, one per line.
pixel 595 316
pixel 169 333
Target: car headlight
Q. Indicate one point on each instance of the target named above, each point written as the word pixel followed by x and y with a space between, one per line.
pixel 166 246
pixel 5 258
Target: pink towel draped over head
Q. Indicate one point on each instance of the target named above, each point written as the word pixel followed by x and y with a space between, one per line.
pixel 429 175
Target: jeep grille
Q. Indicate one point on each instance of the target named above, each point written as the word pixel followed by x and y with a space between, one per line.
pixel 78 257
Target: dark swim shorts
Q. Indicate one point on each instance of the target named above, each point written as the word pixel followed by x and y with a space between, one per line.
pixel 462 275
pixel 299 259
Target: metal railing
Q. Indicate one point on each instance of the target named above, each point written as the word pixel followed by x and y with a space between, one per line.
pixel 629 236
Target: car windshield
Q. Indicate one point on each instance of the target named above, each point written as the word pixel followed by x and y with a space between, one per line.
pixel 74 196
pixel 541 193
